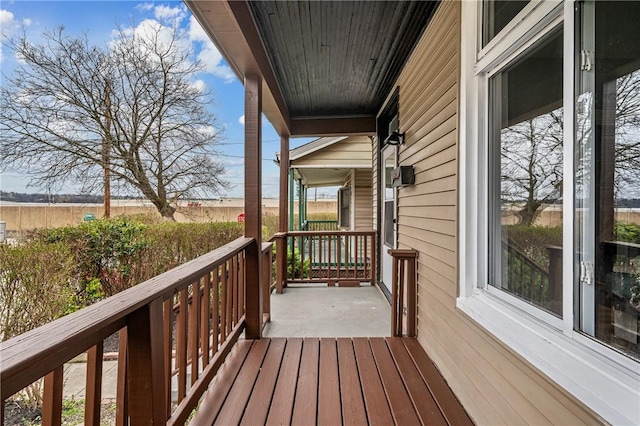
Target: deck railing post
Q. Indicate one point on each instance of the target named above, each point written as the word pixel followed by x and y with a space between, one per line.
pixel 403 282
pixel 267 266
pixel 146 380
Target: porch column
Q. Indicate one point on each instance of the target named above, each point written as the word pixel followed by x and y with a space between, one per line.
pixel 253 203
pixel 283 225
pixel 300 205
pixel 291 199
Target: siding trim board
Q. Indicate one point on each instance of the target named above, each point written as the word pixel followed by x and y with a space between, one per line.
pixel 494 383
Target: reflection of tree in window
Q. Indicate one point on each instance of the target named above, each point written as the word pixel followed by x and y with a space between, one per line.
pixel 531 164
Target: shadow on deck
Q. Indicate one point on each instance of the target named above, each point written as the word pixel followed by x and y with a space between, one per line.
pixel 348 381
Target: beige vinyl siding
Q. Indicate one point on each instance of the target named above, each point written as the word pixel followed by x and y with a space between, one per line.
pixel 351 152
pixel 363 204
pixel 496 385
pixel 374 182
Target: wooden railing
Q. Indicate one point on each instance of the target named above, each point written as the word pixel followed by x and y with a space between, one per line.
pixel 267 281
pixel 325 256
pixel 175 331
pixel 527 279
pixel 320 225
pixel 403 291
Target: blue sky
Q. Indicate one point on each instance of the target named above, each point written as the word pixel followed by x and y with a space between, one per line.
pixel 98 19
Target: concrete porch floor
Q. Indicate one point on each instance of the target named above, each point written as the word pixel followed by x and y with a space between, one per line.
pixel 321 311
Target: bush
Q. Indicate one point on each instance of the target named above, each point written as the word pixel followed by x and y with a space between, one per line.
pixel 35 286
pixel 102 249
pixel 627 232
pixel 533 241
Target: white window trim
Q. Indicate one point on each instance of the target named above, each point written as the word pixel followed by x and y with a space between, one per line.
pixel 600 377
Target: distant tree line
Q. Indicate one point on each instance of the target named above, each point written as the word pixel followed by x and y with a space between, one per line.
pixel 18 197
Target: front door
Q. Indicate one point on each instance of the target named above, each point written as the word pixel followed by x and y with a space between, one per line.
pixel 388 236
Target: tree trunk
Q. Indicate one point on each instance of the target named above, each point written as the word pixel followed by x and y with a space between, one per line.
pixel 166 211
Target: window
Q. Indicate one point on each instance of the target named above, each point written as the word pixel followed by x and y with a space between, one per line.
pixel 344 207
pixel 607 195
pixel 526 143
pixel 550 176
pixel 497 14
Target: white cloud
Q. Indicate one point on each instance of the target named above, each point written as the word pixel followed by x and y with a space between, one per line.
pixel 209 54
pixel 144 6
pixel 163 12
pixel 26 22
pixel 8 25
pixel 241 119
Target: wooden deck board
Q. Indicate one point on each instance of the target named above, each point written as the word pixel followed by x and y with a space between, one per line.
pixel 378 411
pixel 424 403
pixel 447 401
pixel 353 412
pixel 281 408
pixel 401 407
pixel 305 407
pixel 330 381
pixel 215 397
pixel 260 400
pixel 329 406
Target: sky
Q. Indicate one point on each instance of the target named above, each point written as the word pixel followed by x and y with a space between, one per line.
pixel 98 19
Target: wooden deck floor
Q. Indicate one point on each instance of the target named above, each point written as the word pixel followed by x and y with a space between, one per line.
pixel 378 381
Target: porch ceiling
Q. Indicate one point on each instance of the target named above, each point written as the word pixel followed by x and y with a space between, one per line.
pixel 316 177
pixel 327 65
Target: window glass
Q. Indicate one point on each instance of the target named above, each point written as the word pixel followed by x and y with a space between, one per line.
pixel 497 14
pixel 607 196
pixel 344 201
pixel 526 144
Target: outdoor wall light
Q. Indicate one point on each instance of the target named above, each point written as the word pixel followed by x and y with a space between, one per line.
pixel 395 138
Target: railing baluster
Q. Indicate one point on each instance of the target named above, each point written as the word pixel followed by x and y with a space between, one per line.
pixel 122 391
pixel 242 282
pixel 52 400
pixel 194 322
pixel 223 301
pixel 205 319
pixel 94 385
pixel 216 309
pixel 181 344
pixel 167 329
pixel 227 282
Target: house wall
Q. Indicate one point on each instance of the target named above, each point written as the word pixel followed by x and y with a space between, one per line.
pixel 494 384
pixel 352 152
pixel 363 201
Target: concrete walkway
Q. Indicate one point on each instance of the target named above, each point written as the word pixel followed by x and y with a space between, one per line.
pixel 329 312
pixel 309 311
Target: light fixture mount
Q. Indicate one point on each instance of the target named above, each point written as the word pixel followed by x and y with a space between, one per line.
pixel 395 138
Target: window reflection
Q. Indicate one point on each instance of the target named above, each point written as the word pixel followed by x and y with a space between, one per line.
pixel 608 176
pixel 527 155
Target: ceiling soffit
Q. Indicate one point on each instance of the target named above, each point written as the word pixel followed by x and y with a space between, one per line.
pixel 338 58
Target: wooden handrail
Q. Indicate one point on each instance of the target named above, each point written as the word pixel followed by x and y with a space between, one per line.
pixel 145 312
pixel 344 257
pixel 403 277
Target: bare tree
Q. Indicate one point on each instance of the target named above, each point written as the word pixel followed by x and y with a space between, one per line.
pixel 531 164
pixel 68 101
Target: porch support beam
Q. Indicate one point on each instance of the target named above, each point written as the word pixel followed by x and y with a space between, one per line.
pixel 253 203
pixel 317 127
pixel 283 225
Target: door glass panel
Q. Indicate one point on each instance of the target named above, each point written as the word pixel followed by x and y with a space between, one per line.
pixel 607 172
pixel 389 198
pixel 526 144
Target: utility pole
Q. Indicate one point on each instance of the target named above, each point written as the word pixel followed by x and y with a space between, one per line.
pixel 106 153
